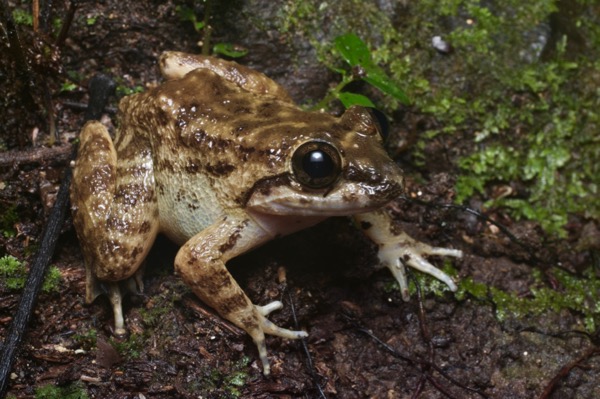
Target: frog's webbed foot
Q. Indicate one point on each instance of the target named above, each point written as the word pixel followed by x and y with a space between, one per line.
pixel 267 327
pixel 398 250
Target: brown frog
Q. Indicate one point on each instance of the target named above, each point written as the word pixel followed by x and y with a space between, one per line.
pixel 221 160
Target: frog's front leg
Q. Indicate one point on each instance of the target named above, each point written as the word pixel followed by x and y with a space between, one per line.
pixel 201 263
pixel 397 249
pixel 114 211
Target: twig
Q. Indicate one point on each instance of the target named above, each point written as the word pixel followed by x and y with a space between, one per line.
pixel 57 155
pixel 64 30
pixel 594 351
pixel 310 365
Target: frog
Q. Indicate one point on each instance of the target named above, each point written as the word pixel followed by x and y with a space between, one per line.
pixel 220 159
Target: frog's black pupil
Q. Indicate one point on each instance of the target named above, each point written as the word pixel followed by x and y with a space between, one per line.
pixel 317 164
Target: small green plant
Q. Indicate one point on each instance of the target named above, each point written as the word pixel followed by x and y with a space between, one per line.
pixel 357 55
pixel 22 17
pixel 67 87
pixel 14 275
pixel 86 341
pixel 132 348
pixel 233 381
pixel 74 391
pixel 7 221
pixel 90 21
pixel 186 14
pixel 13 272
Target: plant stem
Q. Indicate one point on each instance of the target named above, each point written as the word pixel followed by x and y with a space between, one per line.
pixel 333 94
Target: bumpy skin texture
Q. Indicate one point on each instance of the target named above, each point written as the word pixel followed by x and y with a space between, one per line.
pixel 208 158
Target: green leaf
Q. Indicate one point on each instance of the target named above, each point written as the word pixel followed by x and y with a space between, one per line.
pixel 386 85
pixel 68 86
pixel 356 53
pixel 229 50
pixel 198 26
pixel 350 99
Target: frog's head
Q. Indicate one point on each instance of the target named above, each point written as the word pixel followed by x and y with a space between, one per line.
pixel 338 170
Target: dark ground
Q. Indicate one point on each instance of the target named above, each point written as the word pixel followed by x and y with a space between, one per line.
pixel 363 340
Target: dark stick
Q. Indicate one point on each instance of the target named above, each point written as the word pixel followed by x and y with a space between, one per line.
pixel 100 89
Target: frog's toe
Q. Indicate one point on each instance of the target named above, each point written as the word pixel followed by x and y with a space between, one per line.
pixel 268 327
pixel 114 295
pixel 271 328
pixel 416 261
pixel 412 253
pixel 269 307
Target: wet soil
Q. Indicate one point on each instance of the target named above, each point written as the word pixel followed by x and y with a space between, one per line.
pixel 364 341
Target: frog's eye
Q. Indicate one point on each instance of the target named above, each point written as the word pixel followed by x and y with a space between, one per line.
pixel 316 164
pixel 383 124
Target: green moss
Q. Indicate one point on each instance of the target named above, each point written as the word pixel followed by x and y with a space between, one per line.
pixel 14 275
pixel 528 110
pixel 231 383
pixel 52 280
pixel 8 218
pixel 74 391
pixel 13 272
pixel 132 348
pixel 86 341
pixel 576 293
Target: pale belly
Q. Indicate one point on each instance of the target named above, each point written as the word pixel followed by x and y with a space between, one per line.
pixel 186 205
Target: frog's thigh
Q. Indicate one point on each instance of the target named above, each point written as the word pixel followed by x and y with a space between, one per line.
pixel 116 210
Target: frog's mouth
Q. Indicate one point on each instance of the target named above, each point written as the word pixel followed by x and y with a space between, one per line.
pixel 282 195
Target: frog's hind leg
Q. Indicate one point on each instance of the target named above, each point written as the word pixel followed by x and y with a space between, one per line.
pixel 201 263
pixel 115 211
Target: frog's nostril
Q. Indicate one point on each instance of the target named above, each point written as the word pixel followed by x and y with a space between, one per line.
pixel 316 164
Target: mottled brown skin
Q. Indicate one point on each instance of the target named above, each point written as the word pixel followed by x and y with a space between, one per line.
pixel 207 158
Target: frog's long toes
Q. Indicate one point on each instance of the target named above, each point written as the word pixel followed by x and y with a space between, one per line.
pixel 269 307
pixel 271 328
pixel 438 251
pixel 268 327
pixel 418 262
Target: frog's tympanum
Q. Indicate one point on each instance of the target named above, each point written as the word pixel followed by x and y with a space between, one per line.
pixel 221 160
